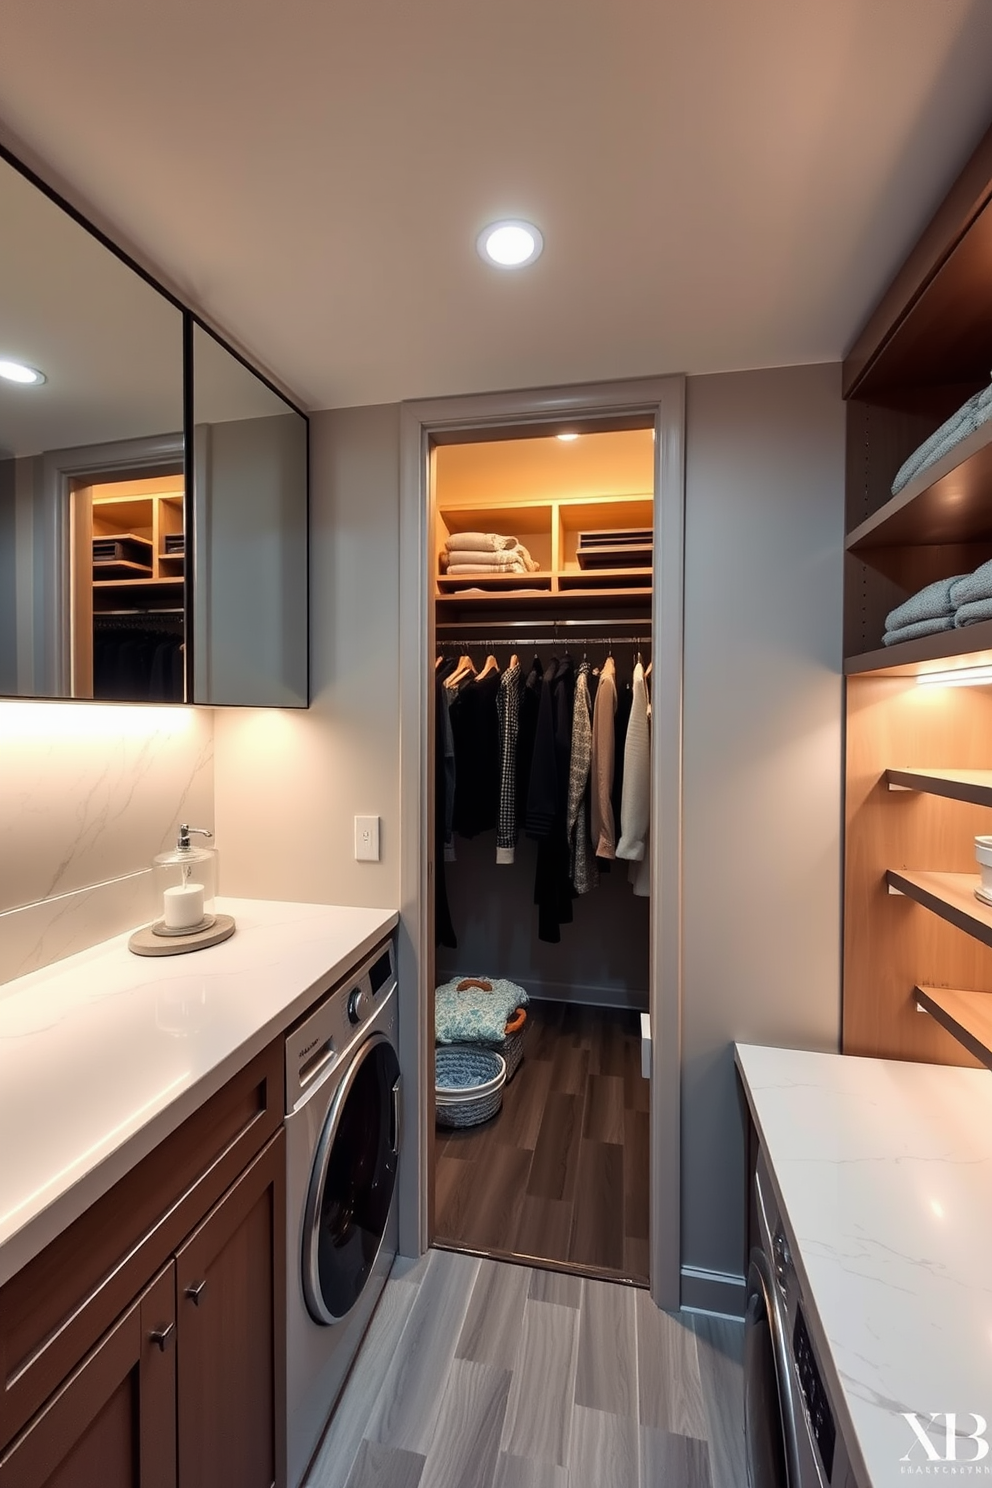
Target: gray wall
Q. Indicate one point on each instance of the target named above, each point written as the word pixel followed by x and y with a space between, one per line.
pixel 762 782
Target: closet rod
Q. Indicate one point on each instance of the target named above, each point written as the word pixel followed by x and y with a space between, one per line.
pixel 606 639
pixel 554 626
pixel 143 614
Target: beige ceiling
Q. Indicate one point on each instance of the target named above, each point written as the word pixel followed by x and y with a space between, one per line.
pixel 720 185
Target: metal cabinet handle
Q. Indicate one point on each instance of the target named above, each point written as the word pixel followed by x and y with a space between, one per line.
pixel 161 1336
pixel 196 1291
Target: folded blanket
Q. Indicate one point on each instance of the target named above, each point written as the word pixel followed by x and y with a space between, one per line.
pixel 516 566
pixel 475 542
pixel 972 587
pixel 931 603
pixel 495 561
pixel 970 614
pixel 474 1016
pixel 914 632
pixel 969 417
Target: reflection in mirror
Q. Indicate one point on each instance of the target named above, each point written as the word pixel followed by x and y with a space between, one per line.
pixel 250 536
pixel 91 464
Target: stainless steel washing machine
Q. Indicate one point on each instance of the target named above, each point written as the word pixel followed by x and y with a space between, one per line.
pixel 342 1153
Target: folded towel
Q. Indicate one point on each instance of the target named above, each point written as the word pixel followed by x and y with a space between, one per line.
pixel 475 1016
pixel 970 614
pixel 914 632
pixel 969 417
pixel 972 587
pixel 475 542
pixel 931 603
pixel 495 561
pixel 517 566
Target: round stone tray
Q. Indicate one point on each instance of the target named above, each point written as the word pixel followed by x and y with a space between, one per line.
pixel 145 942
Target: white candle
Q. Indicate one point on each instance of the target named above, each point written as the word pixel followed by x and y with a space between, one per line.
pixel 183 906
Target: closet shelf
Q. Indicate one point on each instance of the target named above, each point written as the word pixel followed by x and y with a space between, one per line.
pixel 974 786
pixel 136 583
pixel 967 1016
pixel 948 503
pixel 970 646
pixel 566 599
pixel 951 896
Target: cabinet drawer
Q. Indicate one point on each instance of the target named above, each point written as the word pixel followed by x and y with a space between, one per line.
pixel 54 1310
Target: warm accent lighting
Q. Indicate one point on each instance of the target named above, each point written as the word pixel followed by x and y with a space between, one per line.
pixel 510 244
pixel 12 371
pixel 566 438
pixel 977 676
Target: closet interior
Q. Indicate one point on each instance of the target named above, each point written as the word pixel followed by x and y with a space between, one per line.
pixel 128 555
pixel 543 562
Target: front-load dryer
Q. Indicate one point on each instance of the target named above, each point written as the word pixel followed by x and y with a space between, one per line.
pixel 342 1151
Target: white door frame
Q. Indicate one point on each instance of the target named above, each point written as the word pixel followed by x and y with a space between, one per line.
pixel 663 399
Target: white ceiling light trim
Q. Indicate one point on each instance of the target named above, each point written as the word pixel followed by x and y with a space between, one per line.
pixel 20 372
pixel 510 243
pixel 566 438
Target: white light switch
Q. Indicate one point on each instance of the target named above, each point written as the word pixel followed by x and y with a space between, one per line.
pixel 367 839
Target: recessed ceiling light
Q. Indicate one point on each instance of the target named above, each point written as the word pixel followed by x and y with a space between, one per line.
pixel 20 372
pixel 566 438
pixel 510 244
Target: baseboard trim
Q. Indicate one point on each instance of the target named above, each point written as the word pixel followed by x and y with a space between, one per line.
pixel 720 1293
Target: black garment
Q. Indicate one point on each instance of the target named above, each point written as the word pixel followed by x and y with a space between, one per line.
pixel 552 885
pixel 444 930
pixel 542 790
pixel 475 726
pixel 530 700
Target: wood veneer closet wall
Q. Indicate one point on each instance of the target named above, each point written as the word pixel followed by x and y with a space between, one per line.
pixel 926 348
pixel 514 483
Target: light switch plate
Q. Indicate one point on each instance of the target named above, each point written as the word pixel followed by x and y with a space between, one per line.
pixel 367 839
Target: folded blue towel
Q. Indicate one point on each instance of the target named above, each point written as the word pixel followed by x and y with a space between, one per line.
pixel 931 603
pixel 969 417
pixel 970 614
pixel 972 587
pixel 921 628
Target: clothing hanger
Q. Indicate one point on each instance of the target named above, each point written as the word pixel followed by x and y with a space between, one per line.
pixel 491 665
pixel 514 659
pixel 464 672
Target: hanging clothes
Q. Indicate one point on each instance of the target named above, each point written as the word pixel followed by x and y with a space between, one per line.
pixel 444 930
pixel 582 863
pixel 526 733
pixel 475 726
pixel 508 715
pixel 635 807
pixel 603 822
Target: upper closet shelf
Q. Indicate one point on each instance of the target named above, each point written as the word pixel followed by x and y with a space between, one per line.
pixel 951 502
pixel 951 896
pixel 973 786
pixel 971 646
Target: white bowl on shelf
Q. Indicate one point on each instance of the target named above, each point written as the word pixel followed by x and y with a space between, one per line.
pixel 983 852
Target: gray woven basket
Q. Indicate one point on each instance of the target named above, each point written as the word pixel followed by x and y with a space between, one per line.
pixel 468 1084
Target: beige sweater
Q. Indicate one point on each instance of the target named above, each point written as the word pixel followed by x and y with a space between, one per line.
pixel 604 831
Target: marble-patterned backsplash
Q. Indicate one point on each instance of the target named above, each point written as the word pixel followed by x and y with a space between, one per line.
pixel 88 794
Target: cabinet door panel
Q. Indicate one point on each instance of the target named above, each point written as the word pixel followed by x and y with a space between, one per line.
pixel 230 1286
pixel 113 1421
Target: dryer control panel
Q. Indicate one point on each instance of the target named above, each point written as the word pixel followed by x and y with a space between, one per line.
pixel 316 1044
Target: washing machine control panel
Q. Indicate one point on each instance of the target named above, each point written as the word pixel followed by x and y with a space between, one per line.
pixel 321 1039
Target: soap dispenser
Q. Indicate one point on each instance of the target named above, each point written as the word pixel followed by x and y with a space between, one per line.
pixel 185 887
pixel 185 884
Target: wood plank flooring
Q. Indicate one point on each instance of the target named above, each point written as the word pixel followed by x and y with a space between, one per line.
pixel 561 1173
pixel 484 1374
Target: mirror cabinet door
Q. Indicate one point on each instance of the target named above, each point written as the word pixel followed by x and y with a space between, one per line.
pixel 116 582
pixel 250 536
pixel 91 464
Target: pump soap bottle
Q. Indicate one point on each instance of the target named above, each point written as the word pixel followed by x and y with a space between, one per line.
pixel 185 881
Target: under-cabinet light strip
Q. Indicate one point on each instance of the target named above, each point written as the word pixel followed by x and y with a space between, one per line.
pixel 979 676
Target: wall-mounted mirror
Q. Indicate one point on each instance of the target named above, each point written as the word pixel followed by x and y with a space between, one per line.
pixel 116 582
pixel 250 536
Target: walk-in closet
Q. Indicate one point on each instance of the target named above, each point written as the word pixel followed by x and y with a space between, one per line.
pixel 543 563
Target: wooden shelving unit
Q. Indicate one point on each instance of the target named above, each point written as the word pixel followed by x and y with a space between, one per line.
pixel 970 646
pixel 956 785
pixel 967 1017
pixel 549 530
pixel 949 503
pixel 949 895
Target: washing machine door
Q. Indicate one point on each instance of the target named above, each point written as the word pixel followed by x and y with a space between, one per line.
pixel 351 1183
pixel 769 1418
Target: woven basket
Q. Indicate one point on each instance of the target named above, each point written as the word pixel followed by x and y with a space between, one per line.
pixel 468 1084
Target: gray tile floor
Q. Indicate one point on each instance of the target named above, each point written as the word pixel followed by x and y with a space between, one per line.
pixel 482 1374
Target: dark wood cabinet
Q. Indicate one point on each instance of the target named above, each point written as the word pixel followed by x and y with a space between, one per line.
pixel 183 1382
pixel 230 1290
pixel 113 1422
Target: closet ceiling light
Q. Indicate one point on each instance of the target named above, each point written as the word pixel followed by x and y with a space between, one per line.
pixel 566 438
pixel 510 244
pixel 979 676
pixel 12 371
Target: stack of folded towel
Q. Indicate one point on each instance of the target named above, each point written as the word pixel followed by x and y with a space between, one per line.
pixel 948 604
pixel 971 416
pixel 485 553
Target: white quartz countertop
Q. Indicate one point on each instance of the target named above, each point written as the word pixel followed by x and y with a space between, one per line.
pixel 884 1174
pixel 102 1055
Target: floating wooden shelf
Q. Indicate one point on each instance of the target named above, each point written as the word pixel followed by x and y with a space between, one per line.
pixel 170 579
pixel 965 1015
pixel 974 786
pixel 970 646
pixel 951 896
pixel 951 502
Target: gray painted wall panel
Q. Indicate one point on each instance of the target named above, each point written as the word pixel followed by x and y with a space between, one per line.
pixel 762 783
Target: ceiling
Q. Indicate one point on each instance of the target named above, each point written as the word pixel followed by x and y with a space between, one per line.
pixel 719 185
